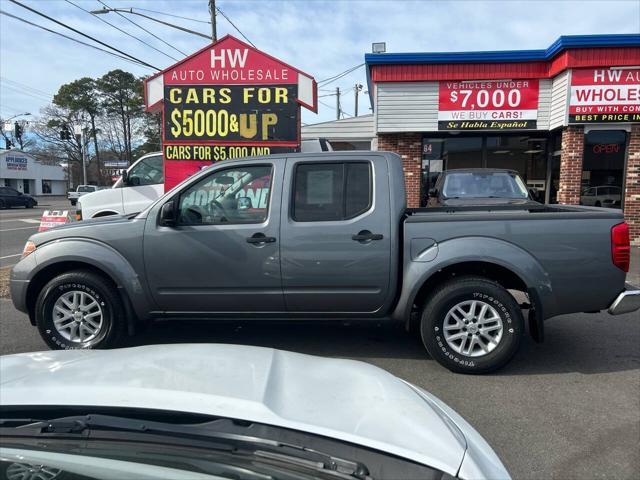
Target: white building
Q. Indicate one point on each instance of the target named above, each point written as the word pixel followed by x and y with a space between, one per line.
pixel 23 172
pixel 356 133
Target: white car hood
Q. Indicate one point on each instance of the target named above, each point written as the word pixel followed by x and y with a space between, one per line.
pixel 343 399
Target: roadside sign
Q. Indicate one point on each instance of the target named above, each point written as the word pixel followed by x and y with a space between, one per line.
pixel 228 100
pixel 53 218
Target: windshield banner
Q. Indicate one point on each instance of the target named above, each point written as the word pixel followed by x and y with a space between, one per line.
pixel 604 95
pixel 488 105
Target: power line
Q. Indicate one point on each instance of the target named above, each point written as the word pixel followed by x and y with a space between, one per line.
pixel 234 26
pixel 121 30
pixel 74 39
pixel 329 80
pixel 172 15
pixel 22 85
pixel 83 34
pixel 326 104
pixel 142 28
pixel 27 93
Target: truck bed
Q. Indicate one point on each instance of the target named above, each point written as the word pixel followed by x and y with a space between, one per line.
pixel 567 249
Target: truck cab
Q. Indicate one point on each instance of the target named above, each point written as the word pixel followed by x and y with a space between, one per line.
pixel 140 185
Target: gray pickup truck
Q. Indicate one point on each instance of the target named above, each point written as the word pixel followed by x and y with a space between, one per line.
pixel 326 236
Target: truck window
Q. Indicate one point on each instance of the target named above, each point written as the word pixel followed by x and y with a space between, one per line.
pixel 331 191
pixel 230 196
pixel 147 172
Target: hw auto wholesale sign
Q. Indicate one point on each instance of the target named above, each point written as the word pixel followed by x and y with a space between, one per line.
pixel 488 105
pixel 228 100
pixel 604 95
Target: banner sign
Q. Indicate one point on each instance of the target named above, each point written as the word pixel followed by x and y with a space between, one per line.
pixel 228 100
pixel 53 218
pixel 488 105
pixel 237 113
pixel 604 95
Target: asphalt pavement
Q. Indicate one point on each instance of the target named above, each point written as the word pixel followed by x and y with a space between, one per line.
pixel 568 408
pixel 18 224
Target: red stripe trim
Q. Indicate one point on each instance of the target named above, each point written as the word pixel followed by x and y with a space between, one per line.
pixel 575 58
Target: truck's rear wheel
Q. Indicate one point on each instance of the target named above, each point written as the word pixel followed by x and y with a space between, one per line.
pixel 471 325
pixel 78 310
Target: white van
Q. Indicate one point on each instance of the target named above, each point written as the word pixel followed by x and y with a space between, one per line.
pixel 140 185
pixel 143 183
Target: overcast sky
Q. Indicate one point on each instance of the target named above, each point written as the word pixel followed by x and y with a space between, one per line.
pixel 322 38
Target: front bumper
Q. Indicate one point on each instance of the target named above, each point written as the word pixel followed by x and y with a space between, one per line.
pixel 627 302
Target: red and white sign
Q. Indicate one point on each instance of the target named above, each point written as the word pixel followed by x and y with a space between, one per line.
pixel 228 100
pixel 604 95
pixel 53 218
pixel 488 105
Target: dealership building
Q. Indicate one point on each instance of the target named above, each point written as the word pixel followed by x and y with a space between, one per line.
pixel 567 118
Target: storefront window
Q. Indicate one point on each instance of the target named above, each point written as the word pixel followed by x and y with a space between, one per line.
pixel 526 154
pixel 46 186
pixel 603 168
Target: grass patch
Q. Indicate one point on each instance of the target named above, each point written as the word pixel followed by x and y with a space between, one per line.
pixel 4 282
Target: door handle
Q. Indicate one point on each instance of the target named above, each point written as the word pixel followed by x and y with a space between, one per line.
pixel 366 235
pixel 257 238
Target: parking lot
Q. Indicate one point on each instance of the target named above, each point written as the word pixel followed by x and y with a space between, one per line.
pixel 17 224
pixel 567 408
pixel 548 414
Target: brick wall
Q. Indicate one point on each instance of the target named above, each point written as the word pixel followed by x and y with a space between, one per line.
pixel 632 186
pixel 409 147
pixel 571 165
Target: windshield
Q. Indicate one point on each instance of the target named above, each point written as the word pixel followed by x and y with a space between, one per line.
pixel 483 185
pixel 162 445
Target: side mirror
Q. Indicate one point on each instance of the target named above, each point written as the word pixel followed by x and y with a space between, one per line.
pixel 168 215
pixel 125 177
pixel 433 192
pixel 244 203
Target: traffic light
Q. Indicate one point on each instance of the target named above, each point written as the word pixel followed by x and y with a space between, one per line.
pixel 65 134
pixel 18 130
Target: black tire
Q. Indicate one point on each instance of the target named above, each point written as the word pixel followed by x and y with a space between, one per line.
pixel 2 205
pixel 73 203
pixel 113 326
pixel 453 293
pixel 598 204
pixel 30 205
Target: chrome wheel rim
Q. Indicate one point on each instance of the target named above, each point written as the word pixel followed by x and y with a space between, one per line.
pixel 22 471
pixel 78 317
pixel 473 328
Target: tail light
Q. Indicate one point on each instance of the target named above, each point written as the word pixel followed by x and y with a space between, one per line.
pixel 620 246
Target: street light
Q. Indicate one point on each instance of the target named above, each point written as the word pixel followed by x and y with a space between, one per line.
pixel 130 10
pixel 18 115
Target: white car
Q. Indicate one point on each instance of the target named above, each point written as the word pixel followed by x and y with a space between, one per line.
pixel 226 411
pixel 139 187
pixel 602 196
pixel 81 190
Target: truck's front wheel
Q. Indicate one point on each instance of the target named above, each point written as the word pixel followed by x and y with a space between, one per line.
pixel 79 309
pixel 471 325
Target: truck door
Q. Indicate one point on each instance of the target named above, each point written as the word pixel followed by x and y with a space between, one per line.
pixel 223 253
pixel 335 229
pixel 144 184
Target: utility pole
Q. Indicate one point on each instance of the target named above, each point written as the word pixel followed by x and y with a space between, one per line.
pixel 212 11
pixel 79 130
pixel 338 109
pixel 357 91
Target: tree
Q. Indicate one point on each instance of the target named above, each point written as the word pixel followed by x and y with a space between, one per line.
pixel 81 97
pixel 121 99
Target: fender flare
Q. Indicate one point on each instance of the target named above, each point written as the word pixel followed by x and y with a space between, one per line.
pixel 478 249
pixel 105 258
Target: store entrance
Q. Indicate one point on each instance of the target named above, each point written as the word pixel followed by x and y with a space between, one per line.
pixel 526 154
pixel 603 168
